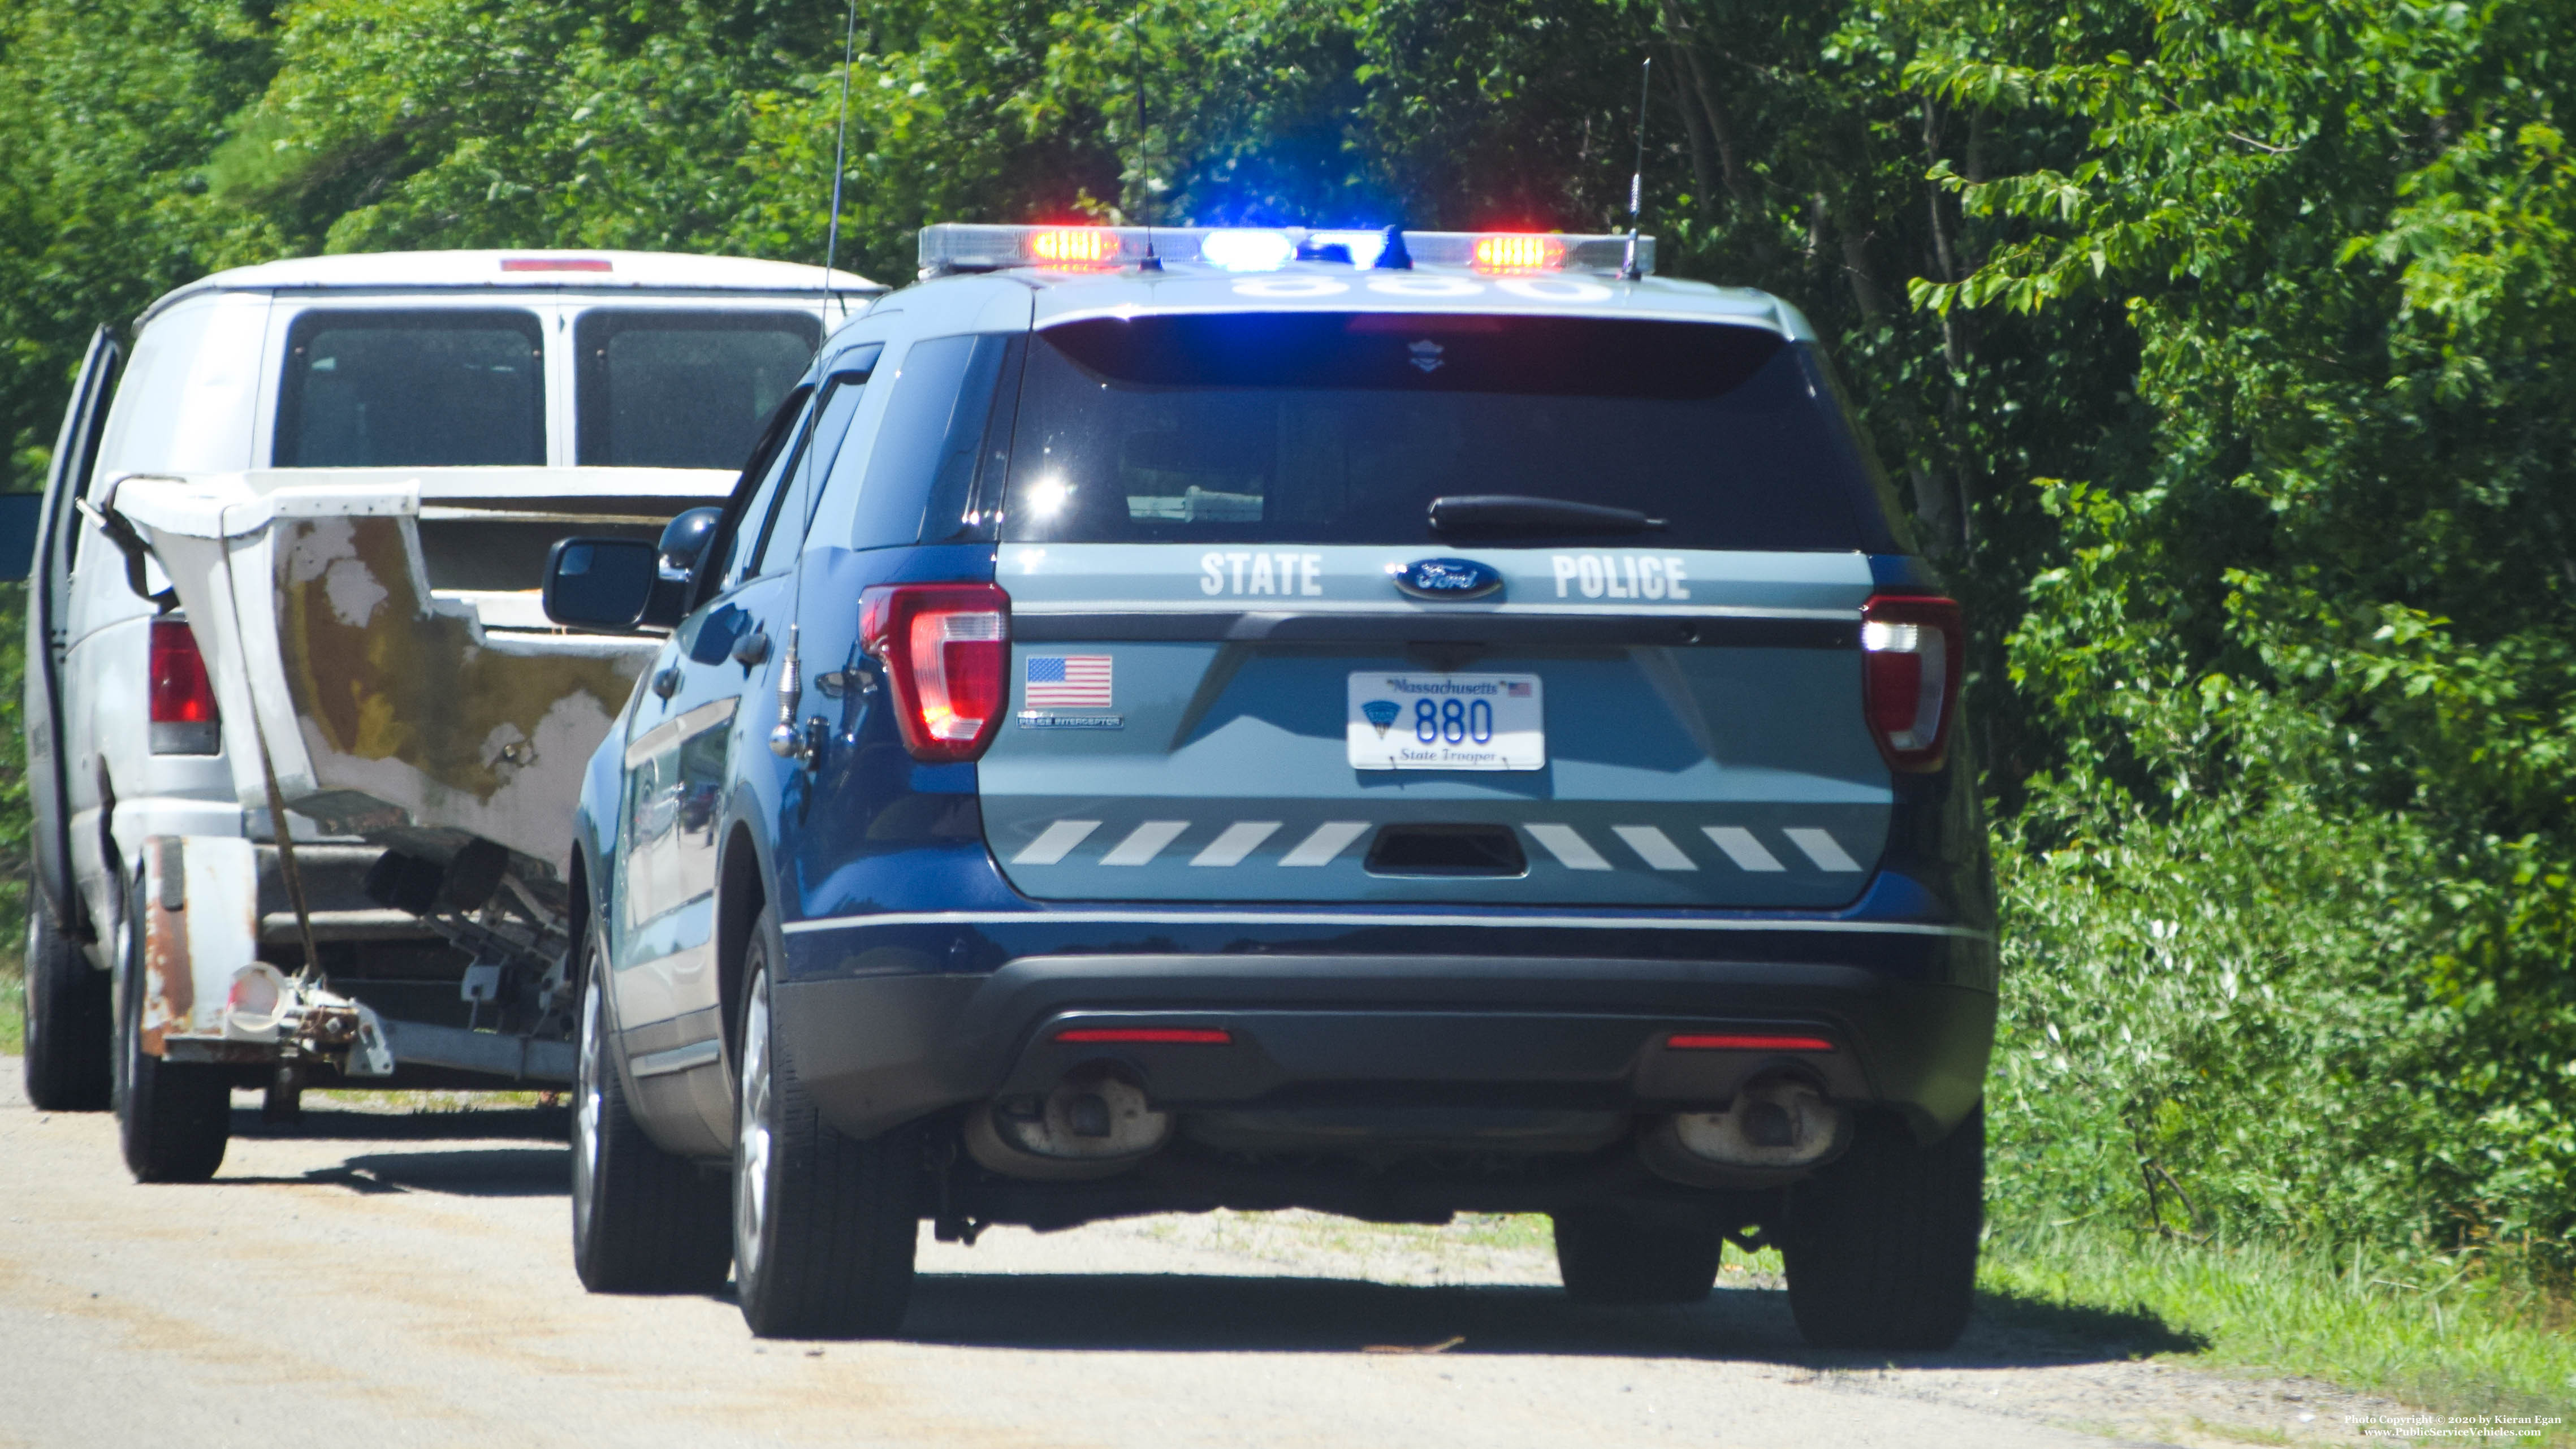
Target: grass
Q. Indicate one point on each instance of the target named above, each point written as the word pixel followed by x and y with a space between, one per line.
pixel 2457 1336
pixel 13 1010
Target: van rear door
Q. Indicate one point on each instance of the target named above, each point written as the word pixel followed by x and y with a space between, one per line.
pixel 48 601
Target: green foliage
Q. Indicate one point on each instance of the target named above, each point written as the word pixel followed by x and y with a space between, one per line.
pixel 2221 348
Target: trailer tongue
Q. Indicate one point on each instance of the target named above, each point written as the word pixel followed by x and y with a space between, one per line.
pixel 376 640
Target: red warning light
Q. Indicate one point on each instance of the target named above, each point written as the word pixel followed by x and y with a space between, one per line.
pixel 1083 246
pixel 1518 253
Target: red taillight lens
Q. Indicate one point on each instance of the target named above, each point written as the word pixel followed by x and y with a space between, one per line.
pixel 947 652
pixel 1911 652
pixel 182 706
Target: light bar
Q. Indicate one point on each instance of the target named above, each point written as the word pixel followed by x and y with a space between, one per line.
pixel 557 264
pixel 952 247
pixel 1746 1042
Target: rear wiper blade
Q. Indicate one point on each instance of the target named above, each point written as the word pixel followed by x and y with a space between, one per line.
pixel 1490 513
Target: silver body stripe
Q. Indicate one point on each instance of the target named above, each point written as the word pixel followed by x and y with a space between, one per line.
pixel 1144 842
pixel 1327 842
pixel 677 1059
pixel 1568 846
pixel 1055 842
pixel 1489 920
pixel 1823 849
pixel 1239 840
pixel 1654 847
pixel 1740 847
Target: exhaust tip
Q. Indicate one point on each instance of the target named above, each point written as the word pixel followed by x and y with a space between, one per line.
pixel 1772 1131
pixel 1093 1123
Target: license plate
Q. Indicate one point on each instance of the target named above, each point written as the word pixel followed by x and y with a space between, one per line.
pixel 1447 722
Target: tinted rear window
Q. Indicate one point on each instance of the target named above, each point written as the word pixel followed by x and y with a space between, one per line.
pixel 684 389
pixel 1343 427
pixel 418 389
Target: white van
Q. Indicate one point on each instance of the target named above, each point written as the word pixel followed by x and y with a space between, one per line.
pixel 518 397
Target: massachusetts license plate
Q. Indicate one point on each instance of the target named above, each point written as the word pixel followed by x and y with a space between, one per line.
pixel 1447 722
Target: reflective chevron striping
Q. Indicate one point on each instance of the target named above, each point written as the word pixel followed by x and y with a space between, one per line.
pixel 1740 847
pixel 1144 842
pixel 1654 847
pixel 1823 849
pixel 1055 842
pixel 1327 841
pixel 1568 846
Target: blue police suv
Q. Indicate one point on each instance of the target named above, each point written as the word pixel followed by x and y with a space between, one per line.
pixel 1390 723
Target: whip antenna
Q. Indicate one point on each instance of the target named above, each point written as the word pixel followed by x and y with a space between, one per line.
pixel 1144 154
pixel 840 140
pixel 1637 178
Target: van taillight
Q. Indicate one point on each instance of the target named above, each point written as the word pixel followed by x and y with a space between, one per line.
pixel 183 699
pixel 947 653
pixel 1911 652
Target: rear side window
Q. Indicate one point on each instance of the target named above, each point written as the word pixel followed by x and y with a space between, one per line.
pixel 1344 427
pixel 663 388
pixel 921 471
pixel 412 389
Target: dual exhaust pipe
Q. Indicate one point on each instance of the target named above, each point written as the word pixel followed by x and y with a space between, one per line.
pixel 1098 1122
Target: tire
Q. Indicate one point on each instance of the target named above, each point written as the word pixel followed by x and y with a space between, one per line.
pixel 823 1224
pixel 71 1020
pixel 1638 1253
pixel 643 1220
pixel 172 1118
pixel 1881 1245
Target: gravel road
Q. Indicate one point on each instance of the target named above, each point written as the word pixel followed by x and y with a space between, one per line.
pixel 392 1277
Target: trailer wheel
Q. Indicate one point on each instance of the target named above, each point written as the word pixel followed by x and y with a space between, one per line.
pixel 71 1020
pixel 824 1224
pixel 1641 1253
pixel 1881 1245
pixel 172 1118
pixel 643 1220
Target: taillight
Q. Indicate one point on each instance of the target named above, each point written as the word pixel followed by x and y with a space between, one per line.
pixel 1911 649
pixel 182 710
pixel 947 653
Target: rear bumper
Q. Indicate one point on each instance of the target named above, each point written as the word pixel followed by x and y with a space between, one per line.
pixel 1385 1029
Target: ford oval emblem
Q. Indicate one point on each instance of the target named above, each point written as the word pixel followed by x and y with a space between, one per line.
pixel 1449 579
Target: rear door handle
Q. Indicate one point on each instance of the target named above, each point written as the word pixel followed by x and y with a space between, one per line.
pixel 751 649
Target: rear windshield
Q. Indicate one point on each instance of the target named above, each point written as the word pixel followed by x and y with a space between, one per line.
pixel 1344 427
pixel 662 388
pixel 417 389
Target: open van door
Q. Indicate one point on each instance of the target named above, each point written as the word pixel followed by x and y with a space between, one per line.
pixel 48 600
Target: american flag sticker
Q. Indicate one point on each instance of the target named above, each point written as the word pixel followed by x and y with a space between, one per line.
pixel 1066 681
pixel 1516 689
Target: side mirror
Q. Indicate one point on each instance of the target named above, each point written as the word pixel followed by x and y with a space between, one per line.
pixel 601 583
pixel 684 541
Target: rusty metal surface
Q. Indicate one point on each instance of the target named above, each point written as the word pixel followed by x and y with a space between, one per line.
pixel 169 979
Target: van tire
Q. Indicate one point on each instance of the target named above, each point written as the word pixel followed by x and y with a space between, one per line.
pixel 824 1224
pixel 172 1118
pixel 71 1019
pixel 643 1220
pixel 1881 1245
pixel 1638 1253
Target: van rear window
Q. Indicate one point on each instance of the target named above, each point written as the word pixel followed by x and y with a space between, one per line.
pixel 425 388
pixel 674 388
pixel 1345 427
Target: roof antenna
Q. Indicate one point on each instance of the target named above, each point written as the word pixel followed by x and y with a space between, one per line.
pixel 840 141
pixel 1629 271
pixel 1144 157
